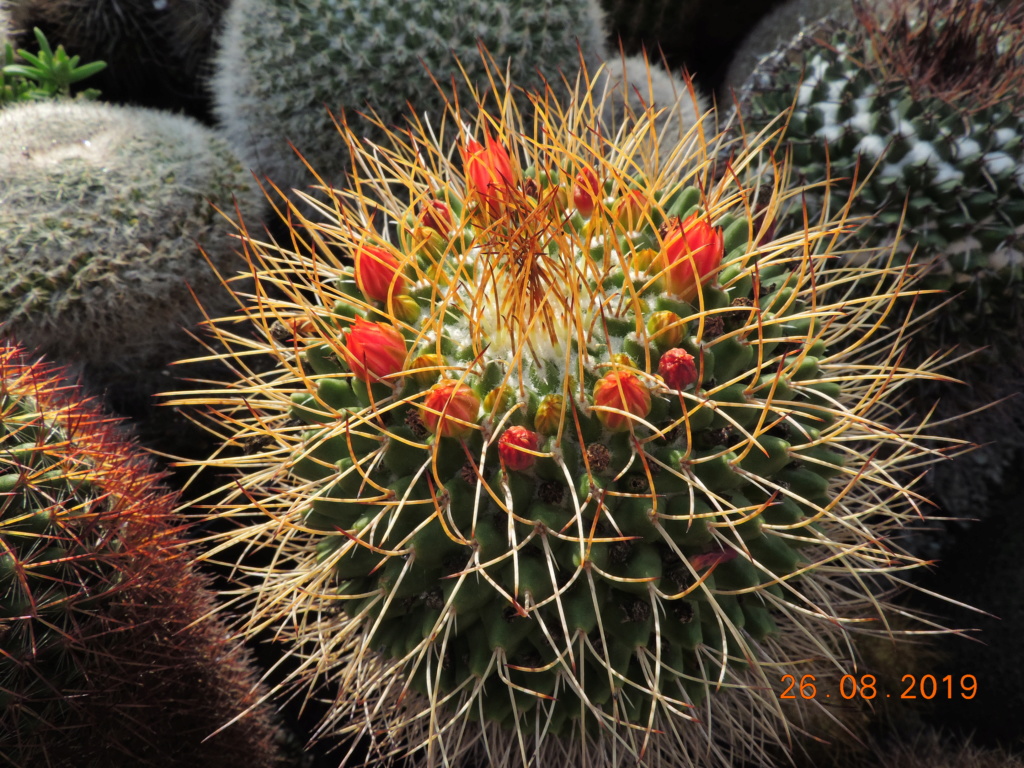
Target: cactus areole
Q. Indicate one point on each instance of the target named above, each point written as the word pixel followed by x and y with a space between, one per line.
pixel 566 475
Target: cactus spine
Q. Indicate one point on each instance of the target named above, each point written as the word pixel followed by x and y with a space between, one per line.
pixel 107 214
pixel 105 657
pixel 563 463
pixel 282 65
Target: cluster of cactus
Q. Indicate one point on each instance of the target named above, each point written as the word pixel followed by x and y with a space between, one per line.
pixel 282 68
pixel 564 450
pixel 916 118
pixel 158 52
pixel 108 228
pixel 100 616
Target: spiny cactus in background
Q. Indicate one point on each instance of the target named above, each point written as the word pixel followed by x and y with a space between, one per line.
pixel 563 467
pixel 104 655
pixel 107 227
pixel 927 101
pixel 158 51
pixel 929 749
pixel 922 107
pixel 283 67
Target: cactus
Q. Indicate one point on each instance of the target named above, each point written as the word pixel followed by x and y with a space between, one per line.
pixel 921 108
pixel 101 616
pixel 158 52
pixel 562 465
pixel 283 67
pixel 107 224
pixel 885 95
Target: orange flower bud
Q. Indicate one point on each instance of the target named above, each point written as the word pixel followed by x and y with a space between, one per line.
pixel 373 350
pixel 378 273
pixel 450 409
pixel 691 256
pixel 489 172
pixel 510 448
pixel 666 329
pixel 549 414
pixel 622 391
pixel 426 369
pixel 629 209
pixel 678 368
pixel 586 191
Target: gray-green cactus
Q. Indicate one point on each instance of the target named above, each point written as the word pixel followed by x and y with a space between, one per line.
pixel 106 226
pixel 282 65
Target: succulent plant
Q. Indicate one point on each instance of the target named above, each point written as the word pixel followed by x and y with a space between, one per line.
pixel 158 52
pixel 919 110
pixel 106 230
pixel 283 67
pixel 564 464
pixel 101 615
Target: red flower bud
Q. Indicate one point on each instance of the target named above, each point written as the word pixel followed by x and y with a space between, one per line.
pixel 450 409
pixel 489 172
pixel 510 448
pixel 586 191
pixel 378 273
pixel 437 216
pixel 374 350
pixel 678 368
pixel 691 256
pixel 622 391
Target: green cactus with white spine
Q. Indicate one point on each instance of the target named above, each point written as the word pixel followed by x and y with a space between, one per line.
pixel 282 65
pixel 921 106
pixel 926 101
pixel 108 212
pixel 565 452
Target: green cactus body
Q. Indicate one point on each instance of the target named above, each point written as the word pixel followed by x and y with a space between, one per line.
pixel 282 66
pixel 954 161
pixel 563 449
pixel 107 214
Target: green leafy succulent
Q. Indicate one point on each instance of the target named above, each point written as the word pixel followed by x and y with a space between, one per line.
pixel 46 75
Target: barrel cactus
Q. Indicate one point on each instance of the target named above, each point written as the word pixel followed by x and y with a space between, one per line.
pixel 562 463
pixel 108 229
pixel 919 110
pixel 283 67
pixel 101 617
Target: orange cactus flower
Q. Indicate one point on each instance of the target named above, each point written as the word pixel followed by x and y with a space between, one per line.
pixel 691 256
pixel 586 191
pixel 378 273
pixel 450 409
pixel 678 369
pixel 489 172
pixel 510 448
pixel 624 392
pixel 373 350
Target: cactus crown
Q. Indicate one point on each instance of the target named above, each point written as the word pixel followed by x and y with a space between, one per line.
pixel 559 450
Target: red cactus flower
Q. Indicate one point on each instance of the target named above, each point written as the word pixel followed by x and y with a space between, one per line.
pixel 691 255
pixel 624 392
pixel 510 448
pixel 678 368
pixel 450 409
pixel 436 215
pixel 378 273
pixel 586 191
pixel 489 172
pixel 374 350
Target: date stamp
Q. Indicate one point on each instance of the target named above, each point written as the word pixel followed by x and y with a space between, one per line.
pixel 866 687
